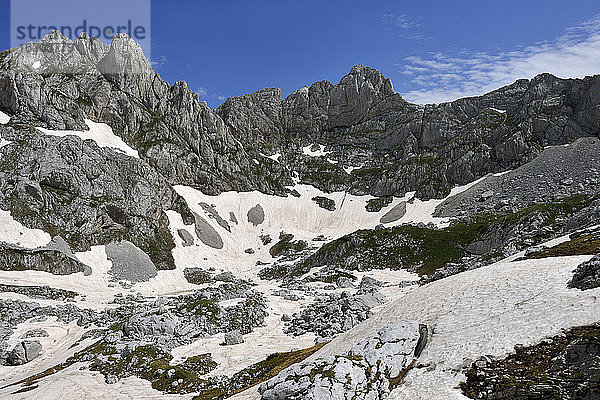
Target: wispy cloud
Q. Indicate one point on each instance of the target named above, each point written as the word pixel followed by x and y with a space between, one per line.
pixel 401 21
pixel 405 26
pixel 158 61
pixel 441 77
pixel 204 94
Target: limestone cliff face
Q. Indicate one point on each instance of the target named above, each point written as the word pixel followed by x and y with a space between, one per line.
pixel 361 121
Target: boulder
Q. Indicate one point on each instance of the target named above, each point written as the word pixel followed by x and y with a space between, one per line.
pixel 232 338
pixel 24 352
pixel 393 215
pixel 207 234
pixel 129 262
pixel 187 237
pixel 256 215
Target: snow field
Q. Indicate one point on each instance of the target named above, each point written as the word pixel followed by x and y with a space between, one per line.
pixel 486 311
pixel 4 119
pixel 102 134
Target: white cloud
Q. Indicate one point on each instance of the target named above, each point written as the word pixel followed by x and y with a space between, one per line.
pixel 158 61
pixel 202 91
pixel 401 21
pixel 441 77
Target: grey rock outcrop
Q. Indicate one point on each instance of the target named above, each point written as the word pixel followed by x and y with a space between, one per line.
pixel 39 292
pixel 370 370
pixel 324 202
pixel 587 275
pixel 33 333
pixel 571 359
pixel 153 325
pixel 336 313
pixel 55 262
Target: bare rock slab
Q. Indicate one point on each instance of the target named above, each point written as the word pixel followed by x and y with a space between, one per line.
pixel 397 212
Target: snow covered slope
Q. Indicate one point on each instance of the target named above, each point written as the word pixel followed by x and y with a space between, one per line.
pixel 300 216
pixel 100 133
pixel 14 232
pixel 486 311
pixel 4 119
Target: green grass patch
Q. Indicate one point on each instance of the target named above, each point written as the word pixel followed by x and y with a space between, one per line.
pixel 583 245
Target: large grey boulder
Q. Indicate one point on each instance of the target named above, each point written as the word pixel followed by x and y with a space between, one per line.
pixel 256 215
pixel 232 338
pixel 129 262
pixel 393 215
pixel 188 239
pixel 206 233
pixel 24 352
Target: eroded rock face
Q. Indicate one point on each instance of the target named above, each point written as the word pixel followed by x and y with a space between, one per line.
pixel 558 172
pixel 361 121
pixel 368 371
pixel 86 195
pixel 180 136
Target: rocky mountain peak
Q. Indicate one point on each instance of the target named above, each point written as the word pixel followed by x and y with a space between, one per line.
pixel 55 37
pixel 258 114
pixel 358 97
pixel 371 75
pixel 54 53
pixel 124 56
pixel 91 47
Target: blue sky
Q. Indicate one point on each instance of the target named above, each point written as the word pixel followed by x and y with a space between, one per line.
pixel 432 50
